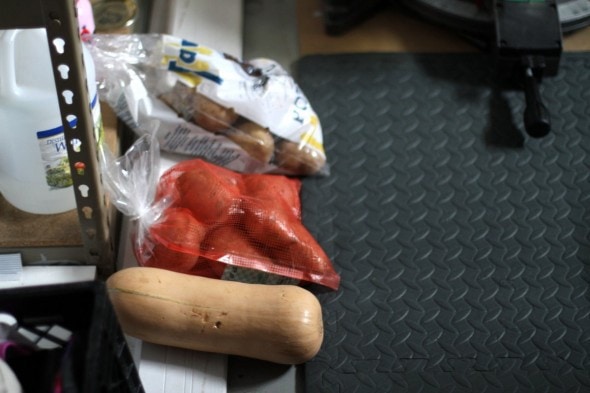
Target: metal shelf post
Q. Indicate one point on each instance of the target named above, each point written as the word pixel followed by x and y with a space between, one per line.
pixel 59 18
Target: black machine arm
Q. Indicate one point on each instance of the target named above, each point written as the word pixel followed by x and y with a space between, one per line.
pixel 529 44
pixel 526 36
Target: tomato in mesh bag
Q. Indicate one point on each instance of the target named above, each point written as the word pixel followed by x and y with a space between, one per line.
pixel 210 197
pixel 230 244
pixel 250 221
pixel 272 189
pixel 175 239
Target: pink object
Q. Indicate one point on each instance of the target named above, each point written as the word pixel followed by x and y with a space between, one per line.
pixel 85 17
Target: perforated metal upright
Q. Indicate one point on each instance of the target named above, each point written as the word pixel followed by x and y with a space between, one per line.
pixel 58 17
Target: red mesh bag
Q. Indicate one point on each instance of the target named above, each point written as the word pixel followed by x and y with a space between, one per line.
pixel 221 224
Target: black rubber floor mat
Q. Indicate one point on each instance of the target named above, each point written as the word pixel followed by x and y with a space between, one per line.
pixel 463 244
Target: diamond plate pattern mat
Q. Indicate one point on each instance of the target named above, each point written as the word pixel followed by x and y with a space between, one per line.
pixel 463 244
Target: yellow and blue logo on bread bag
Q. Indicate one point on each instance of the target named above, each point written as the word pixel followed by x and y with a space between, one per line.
pixel 309 137
pixel 190 61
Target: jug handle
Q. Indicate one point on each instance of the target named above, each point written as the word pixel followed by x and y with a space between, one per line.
pixel 8 86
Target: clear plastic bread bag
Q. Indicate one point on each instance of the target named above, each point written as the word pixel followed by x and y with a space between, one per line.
pixel 250 117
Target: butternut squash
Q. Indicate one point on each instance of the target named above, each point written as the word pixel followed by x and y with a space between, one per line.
pixel 276 323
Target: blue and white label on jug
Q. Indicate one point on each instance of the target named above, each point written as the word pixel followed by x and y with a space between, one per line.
pixel 54 155
pixel 54 152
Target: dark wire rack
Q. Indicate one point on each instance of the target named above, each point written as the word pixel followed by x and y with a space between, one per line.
pixel 88 348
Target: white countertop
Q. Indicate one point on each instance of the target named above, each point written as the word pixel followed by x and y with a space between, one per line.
pixel 217 24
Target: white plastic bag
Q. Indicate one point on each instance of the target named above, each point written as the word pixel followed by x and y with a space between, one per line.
pixel 248 117
pixel 131 181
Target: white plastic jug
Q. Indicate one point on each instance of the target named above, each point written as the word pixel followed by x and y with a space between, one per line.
pixel 34 169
